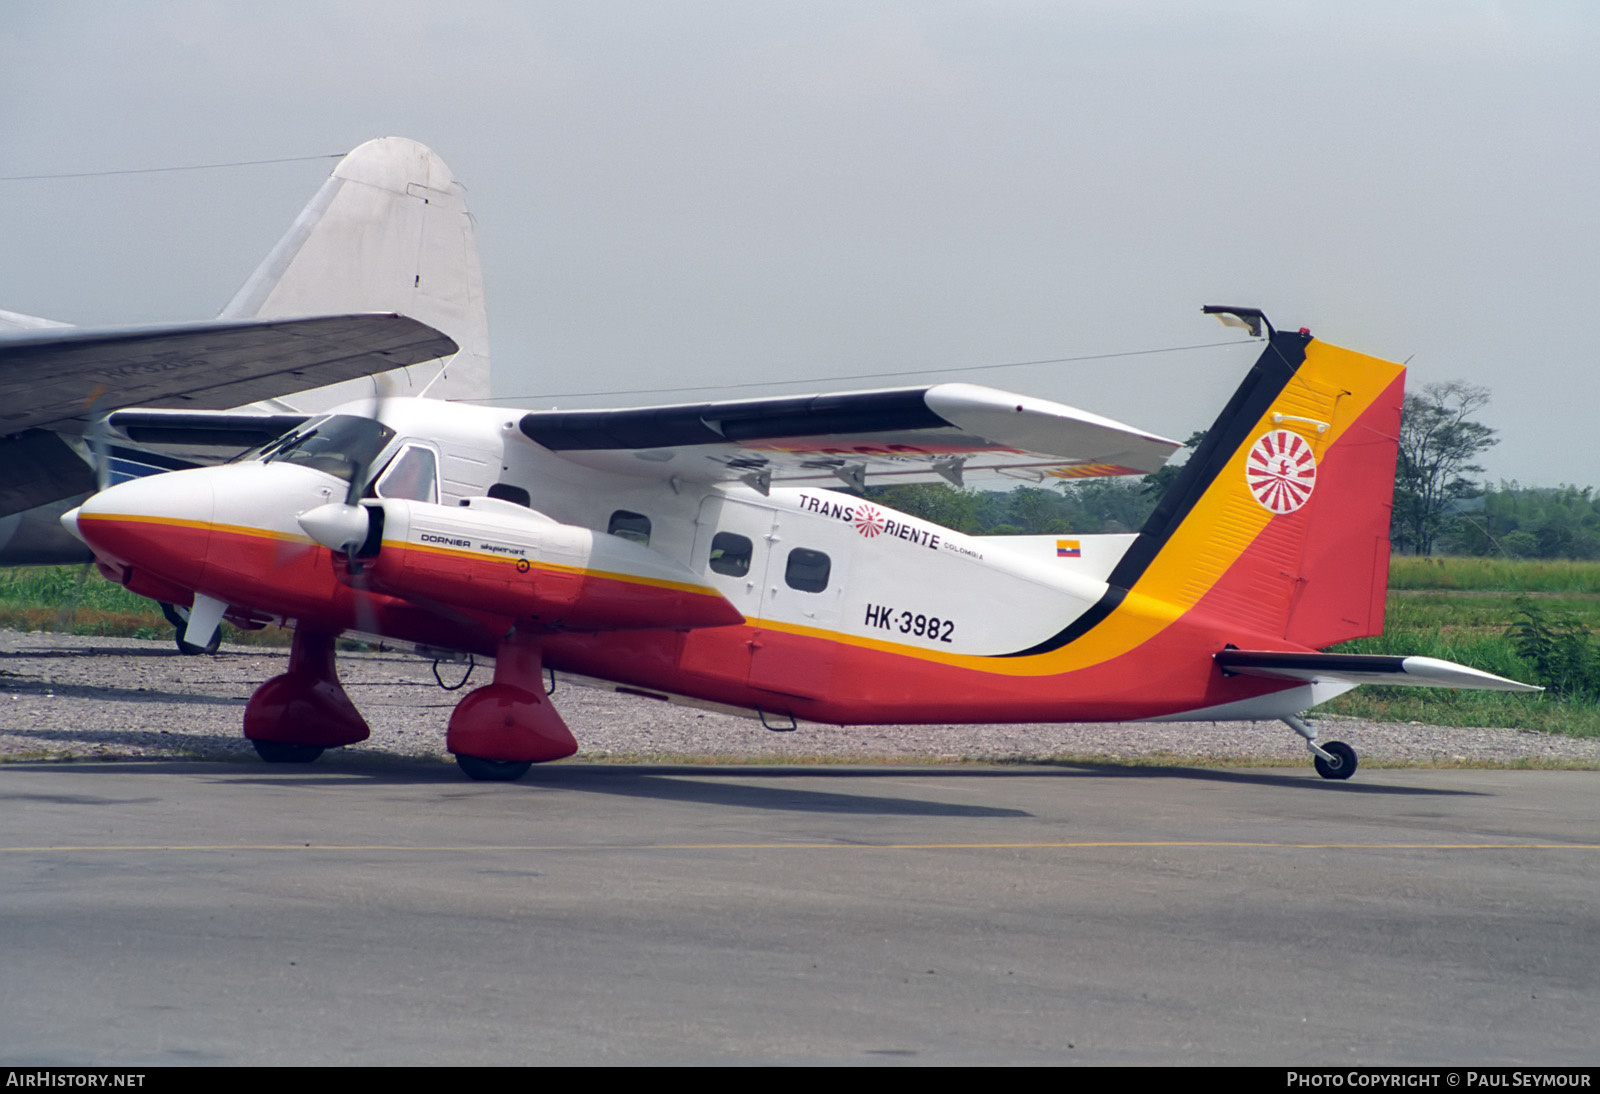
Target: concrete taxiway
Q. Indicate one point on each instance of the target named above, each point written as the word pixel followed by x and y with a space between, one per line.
pixel 233 913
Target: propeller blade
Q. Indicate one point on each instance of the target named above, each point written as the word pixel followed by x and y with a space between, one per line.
pixel 98 447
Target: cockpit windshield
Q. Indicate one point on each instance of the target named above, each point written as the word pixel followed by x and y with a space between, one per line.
pixel 336 445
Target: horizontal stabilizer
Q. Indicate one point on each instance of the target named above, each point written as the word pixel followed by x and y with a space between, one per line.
pixel 1363 668
pixel 61 376
pixel 949 432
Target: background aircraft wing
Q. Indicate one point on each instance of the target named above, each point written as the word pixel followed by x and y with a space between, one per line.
pixel 60 376
pixel 204 428
pixel 953 432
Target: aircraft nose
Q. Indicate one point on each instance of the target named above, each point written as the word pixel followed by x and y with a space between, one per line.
pixel 161 523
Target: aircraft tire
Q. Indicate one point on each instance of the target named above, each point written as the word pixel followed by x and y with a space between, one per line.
pixel 492 771
pixel 280 752
pixel 189 649
pixel 1345 765
pixel 180 624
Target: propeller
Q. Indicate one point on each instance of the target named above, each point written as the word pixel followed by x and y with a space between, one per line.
pixel 340 526
pixel 95 435
pixel 344 527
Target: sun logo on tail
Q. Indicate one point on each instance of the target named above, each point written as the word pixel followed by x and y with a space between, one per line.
pixel 1281 471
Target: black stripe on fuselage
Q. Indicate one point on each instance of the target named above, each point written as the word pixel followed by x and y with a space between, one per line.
pixel 733 421
pixel 1238 660
pixel 1279 361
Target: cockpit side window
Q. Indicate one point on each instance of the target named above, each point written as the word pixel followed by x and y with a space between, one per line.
pixel 413 474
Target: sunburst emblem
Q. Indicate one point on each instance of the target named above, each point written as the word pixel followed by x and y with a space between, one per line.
pixel 869 522
pixel 1281 471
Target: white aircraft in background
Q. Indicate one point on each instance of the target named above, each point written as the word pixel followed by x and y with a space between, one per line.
pixel 379 274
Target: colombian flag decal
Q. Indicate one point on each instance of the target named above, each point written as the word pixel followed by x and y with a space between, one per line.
pixel 1068 548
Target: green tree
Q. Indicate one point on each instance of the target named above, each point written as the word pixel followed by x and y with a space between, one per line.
pixel 1159 482
pixel 1110 505
pixel 1438 442
pixel 933 501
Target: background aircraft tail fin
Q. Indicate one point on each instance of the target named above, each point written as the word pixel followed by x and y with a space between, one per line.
pixel 1279 523
pixel 389 232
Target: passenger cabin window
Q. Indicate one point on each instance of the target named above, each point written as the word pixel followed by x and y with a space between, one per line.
pixel 807 570
pixel 634 526
pixel 413 475
pixel 730 554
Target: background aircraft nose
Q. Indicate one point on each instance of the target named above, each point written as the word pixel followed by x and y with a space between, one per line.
pixel 69 521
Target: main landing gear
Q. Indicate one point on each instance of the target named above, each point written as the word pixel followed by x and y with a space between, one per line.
pixel 291 718
pixel 503 728
pixel 496 733
pixel 278 752
pixel 1334 760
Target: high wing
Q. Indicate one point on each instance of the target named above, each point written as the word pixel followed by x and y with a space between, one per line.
pixel 901 435
pixel 59 376
pixel 1364 668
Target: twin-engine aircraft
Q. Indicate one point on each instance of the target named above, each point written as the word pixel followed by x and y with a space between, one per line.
pixel 699 553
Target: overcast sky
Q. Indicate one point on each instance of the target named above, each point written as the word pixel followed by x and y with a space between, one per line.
pixel 682 194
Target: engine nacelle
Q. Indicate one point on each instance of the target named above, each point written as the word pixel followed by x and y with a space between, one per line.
pixel 494 556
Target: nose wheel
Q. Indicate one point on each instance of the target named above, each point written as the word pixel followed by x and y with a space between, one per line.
pixel 179 618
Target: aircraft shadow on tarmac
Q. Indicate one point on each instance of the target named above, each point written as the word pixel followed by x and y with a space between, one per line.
pixel 712 783
pixel 212 745
pixel 102 693
pixel 717 786
pixel 696 784
pixel 40 653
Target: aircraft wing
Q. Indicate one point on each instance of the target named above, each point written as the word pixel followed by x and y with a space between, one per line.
pixel 58 377
pixel 949 431
pixel 1364 668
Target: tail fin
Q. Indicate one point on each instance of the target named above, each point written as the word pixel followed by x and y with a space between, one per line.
pixel 1279 523
pixel 389 231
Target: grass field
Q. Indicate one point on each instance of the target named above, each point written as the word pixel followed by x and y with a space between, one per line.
pixel 1454 608
pixel 1503 575
pixel 1459 609
pixel 77 600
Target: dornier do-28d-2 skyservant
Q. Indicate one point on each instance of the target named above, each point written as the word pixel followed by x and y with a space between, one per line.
pixel 695 552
